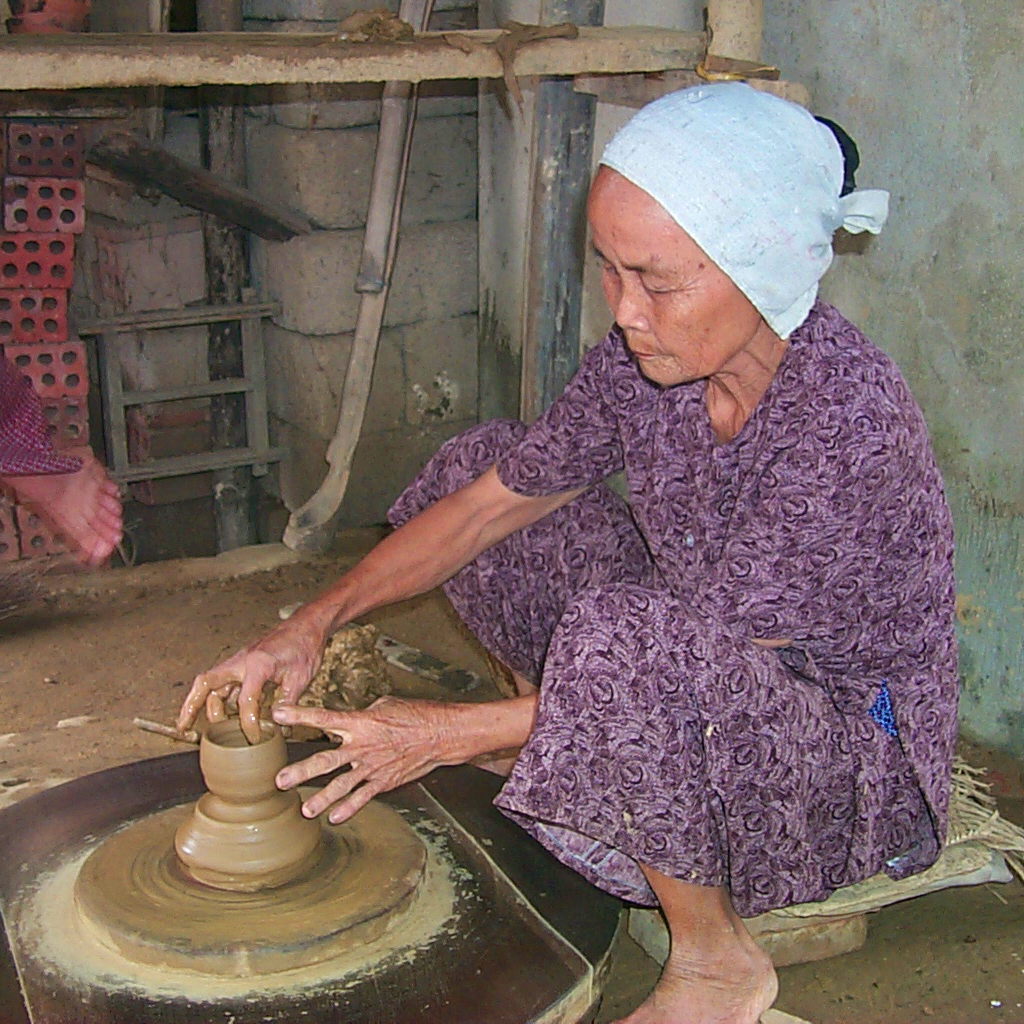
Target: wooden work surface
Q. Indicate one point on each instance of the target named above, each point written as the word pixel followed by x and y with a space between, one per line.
pixel 33 62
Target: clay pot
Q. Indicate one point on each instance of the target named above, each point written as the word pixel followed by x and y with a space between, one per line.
pixel 245 834
pixel 48 16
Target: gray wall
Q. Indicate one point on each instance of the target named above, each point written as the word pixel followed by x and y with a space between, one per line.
pixel 313 147
pixel 932 93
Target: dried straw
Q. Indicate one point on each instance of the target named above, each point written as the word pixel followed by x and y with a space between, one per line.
pixel 973 816
pixel 20 584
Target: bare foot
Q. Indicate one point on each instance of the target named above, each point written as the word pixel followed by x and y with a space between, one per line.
pixel 734 988
pixel 84 506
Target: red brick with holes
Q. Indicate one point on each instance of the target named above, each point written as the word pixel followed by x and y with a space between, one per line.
pixel 10 549
pixel 67 419
pixel 44 204
pixel 35 538
pixel 29 315
pixel 31 260
pixel 42 165
pixel 56 370
pixel 46 149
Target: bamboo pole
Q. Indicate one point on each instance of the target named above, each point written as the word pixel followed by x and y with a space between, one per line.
pixel 737 28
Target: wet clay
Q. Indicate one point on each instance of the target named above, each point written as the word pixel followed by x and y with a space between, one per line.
pixel 134 898
pixel 241 883
pixel 245 834
pixel 247 952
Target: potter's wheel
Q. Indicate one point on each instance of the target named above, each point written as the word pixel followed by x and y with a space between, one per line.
pixel 134 898
pixel 518 938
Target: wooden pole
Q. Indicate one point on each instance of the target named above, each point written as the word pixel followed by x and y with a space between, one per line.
pixel 158 20
pixel 737 28
pixel 81 60
pixel 312 526
pixel 222 126
pixel 147 164
pixel 563 137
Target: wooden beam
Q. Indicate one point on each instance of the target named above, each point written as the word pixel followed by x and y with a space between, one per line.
pixel 97 61
pixel 562 145
pixel 190 316
pixel 226 247
pixel 147 164
pixel 639 90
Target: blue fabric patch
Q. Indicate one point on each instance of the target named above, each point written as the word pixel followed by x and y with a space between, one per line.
pixel 881 711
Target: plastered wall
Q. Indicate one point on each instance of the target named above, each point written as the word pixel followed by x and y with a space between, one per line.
pixel 932 92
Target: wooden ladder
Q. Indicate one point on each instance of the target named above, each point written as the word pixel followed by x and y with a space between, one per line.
pixel 257 451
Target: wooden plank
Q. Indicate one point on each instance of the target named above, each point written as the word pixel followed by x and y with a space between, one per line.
pixel 236 386
pixel 95 104
pixel 562 133
pixel 146 164
pixel 113 402
pixel 158 20
pixel 256 395
pixel 189 316
pixel 97 61
pixel 182 465
pixel 639 90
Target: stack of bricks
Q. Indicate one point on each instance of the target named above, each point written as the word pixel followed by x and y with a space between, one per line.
pixel 43 209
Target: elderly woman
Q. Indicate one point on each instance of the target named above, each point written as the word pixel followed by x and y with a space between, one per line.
pixel 737 689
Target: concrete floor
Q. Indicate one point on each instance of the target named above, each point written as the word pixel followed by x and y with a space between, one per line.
pixel 104 648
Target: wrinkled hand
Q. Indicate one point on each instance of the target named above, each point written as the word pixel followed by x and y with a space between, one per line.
pixel 288 656
pixel 391 742
pixel 84 506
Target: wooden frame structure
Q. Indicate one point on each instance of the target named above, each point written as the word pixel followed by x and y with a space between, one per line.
pixel 257 451
pixel 629 60
pixel 97 61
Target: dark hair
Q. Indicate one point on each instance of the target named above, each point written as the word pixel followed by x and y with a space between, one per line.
pixel 851 155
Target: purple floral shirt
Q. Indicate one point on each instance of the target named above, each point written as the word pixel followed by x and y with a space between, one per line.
pixel 25 446
pixel 823 521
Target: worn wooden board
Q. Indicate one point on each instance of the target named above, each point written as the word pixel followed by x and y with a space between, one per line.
pixel 96 61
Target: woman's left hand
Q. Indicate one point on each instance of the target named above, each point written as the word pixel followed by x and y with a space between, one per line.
pixel 391 742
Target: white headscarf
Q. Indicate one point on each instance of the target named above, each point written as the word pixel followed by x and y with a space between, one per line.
pixel 754 180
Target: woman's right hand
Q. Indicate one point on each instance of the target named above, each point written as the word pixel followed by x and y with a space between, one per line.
pixel 287 656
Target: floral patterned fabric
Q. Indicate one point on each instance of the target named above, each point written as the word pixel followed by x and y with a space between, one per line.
pixel 664 736
pixel 25 447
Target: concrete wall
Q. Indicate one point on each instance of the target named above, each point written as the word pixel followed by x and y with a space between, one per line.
pixel 313 147
pixel 932 94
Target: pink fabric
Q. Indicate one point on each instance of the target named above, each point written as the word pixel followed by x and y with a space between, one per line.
pixel 25 446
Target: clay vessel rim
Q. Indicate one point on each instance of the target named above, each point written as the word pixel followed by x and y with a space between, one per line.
pixel 218 733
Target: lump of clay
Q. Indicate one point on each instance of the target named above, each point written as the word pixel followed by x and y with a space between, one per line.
pixel 353 673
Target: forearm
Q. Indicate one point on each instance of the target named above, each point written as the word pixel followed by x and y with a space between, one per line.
pixel 476 729
pixel 428 550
